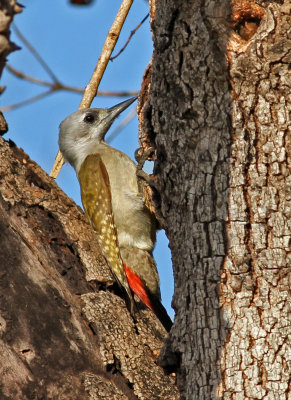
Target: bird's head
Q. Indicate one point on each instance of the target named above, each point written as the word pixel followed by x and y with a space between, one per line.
pixel 82 131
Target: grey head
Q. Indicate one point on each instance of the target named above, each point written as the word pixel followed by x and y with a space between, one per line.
pixel 82 132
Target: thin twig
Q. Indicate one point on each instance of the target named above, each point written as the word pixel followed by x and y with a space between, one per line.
pixel 53 90
pixel 92 87
pixel 61 86
pixel 35 53
pixel 27 101
pixel 29 78
pixel 108 47
pixel 129 38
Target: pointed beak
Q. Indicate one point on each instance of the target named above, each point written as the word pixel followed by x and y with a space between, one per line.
pixel 114 111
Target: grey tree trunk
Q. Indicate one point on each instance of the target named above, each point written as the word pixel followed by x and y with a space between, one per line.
pixel 215 106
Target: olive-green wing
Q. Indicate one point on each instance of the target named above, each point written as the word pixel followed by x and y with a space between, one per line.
pixel 96 199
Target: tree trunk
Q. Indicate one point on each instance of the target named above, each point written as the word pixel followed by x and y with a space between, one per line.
pixel 214 105
pixel 65 332
pixel 8 9
pixel 254 286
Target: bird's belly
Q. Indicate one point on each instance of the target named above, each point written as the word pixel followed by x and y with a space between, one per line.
pixel 131 217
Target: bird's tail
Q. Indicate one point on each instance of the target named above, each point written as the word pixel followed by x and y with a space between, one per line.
pixel 150 300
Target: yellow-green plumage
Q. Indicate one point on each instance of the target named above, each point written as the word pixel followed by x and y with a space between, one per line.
pixel 125 226
pixel 96 199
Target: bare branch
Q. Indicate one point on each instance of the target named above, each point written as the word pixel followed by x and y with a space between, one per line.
pixel 110 42
pixel 35 54
pixel 29 78
pixel 92 87
pixel 62 86
pixel 130 36
pixel 27 101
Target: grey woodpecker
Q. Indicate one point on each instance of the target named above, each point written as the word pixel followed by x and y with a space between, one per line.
pixel 125 226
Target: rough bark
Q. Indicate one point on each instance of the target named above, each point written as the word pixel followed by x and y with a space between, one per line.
pixel 255 287
pixel 65 334
pixel 218 118
pixel 188 119
pixel 8 9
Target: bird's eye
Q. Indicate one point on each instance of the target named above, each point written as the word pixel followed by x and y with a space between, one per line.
pixel 89 118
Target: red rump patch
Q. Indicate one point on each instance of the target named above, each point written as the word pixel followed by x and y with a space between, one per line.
pixel 138 287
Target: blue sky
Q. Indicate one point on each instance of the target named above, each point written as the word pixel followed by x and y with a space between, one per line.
pixel 70 39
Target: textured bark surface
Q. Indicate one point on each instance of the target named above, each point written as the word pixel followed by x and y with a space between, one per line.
pixel 64 333
pixel 223 191
pixel 8 9
pixel 255 288
pixel 188 119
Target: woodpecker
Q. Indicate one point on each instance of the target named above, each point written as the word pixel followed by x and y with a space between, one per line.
pixel 125 226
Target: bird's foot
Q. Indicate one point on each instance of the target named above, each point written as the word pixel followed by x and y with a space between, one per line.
pixel 141 158
pixel 146 177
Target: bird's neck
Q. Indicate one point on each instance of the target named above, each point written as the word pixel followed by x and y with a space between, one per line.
pixel 85 150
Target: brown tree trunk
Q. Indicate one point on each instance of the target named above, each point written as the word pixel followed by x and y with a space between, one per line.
pixel 214 105
pixel 8 9
pixel 255 286
pixel 65 332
